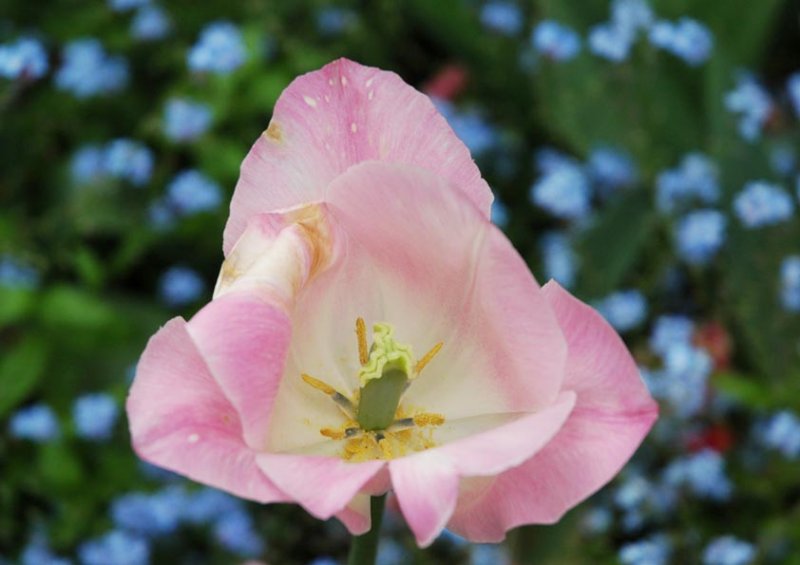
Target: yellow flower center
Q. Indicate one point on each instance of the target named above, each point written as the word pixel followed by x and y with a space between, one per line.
pixel 377 426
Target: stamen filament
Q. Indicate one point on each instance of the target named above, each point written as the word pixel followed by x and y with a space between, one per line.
pixel 363 349
pixel 344 403
pixel 427 358
pixel 402 424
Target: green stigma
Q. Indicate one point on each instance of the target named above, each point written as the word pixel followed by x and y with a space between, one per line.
pixel 383 379
pixel 385 355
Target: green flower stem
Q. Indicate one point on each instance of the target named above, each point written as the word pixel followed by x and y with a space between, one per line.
pixel 364 548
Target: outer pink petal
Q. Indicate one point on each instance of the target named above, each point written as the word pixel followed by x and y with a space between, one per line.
pixel 356 515
pixel 613 414
pixel 333 118
pixel 180 419
pixel 244 342
pixel 458 271
pixel 426 486
pixel 599 367
pixel 508 445
pixel 324 486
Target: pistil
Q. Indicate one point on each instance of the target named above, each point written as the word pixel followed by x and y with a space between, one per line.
pixel 384 377
pixel 377 428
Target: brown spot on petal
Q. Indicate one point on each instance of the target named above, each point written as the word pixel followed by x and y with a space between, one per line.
pixel 312 220
pixel 274 132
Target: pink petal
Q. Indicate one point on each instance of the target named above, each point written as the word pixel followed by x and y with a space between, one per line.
pixel 426 487
pixel 244 342
pixel 613 414
pixel 276 254
pixel 181 420
pixel 599 367
pixel 324 486
pixel 443 267
pixel 508 445
pixel 339 116
pixel 356 515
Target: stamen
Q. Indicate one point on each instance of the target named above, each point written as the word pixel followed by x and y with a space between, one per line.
pixel 402 424
pixel 361 333
pixel 423 420
pixel 419 421
pixel 319 385
pixel 345 433
pixel 331 433
pixel 427 358
pixel 344 403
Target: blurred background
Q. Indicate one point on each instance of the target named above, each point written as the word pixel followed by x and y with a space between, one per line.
pixel 643 153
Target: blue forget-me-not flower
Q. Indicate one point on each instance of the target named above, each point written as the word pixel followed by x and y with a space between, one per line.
pixel 761 204
pixel 95 415
pixel 220 49
pixel 24 59
pixel 555 41
pixel 87 70
pixel 699 235
pixel 728 550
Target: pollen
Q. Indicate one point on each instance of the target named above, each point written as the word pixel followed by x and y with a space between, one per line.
pixel 423 420
pixel 406 436
pixel 386 448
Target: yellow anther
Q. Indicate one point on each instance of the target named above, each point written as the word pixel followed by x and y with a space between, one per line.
pixel 427 358
pixel 422 420
pixel 318 384
pixel 363 349
pixel 331 433
pixel 344 403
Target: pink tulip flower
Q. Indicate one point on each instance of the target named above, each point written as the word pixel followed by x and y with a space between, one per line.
pixel 372 331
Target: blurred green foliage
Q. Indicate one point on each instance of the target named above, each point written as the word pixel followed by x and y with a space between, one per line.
pixel 100 257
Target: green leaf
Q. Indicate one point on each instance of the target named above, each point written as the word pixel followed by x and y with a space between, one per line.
pixel 221 157
pixel 746 389
pixel 15 304
pixel 59 466
pixel 611 247
pixel 70 308
pixel 20 371
pixel 743 44
pixel 752 288
pixel 550 544
pixel 89 267
pixel 452 25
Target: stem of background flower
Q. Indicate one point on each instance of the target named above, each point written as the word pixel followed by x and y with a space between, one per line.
pixel 364 548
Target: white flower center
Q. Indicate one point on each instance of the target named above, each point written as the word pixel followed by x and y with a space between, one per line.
pixel 377 426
